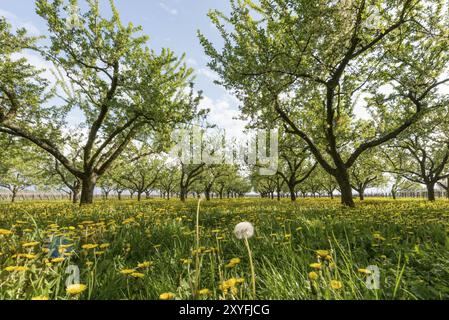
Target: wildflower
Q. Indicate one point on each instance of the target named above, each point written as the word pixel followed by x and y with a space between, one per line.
pixel 40 298
pixel 204 292
pixel 233 263
pixel 186 261
pixel 57 260
pixel 89 246
pixel 127 271
pixel 27 256
pixel 75 289
pixel 104 245
pixel 4 232
pixel 228 284
pixel 30 244
pixel 16 268
pixel 313 276
pixel 244 230
pixel 316 266
pixel 167 296
pixel 145 264
pixel 137 275
pixel 378 236
pixel 364 271
pixel 322 253
pixel 336 285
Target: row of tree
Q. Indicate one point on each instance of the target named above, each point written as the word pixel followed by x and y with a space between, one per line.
pixel 140 172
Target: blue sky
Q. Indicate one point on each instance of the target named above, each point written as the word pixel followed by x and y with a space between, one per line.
pixel 168 23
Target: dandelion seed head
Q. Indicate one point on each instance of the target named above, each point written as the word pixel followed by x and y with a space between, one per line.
pixel 244 230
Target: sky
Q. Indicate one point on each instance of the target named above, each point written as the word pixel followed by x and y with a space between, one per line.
pixel 169 24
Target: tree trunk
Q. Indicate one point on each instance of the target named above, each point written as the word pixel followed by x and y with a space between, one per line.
pixel 331 194
pixel 87 189
pixel 13 198
pixel 292 193
pixel 431 191
pixel 183 195
pixel 119 195
pixel 139 196
pixel 75 195
pixel 362 195
pixel 393 193
pixel 447 188
pixel 345 189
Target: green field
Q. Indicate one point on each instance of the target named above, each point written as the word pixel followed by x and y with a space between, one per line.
pixel 314 249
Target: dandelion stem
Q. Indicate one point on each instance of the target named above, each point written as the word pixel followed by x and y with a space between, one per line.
pixel 253 275
pixel 197 253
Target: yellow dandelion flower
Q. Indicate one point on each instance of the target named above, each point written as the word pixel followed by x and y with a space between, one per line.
pixel 336 285
pixel 364 271
pixel 10 268
pixel 137 275
pixel 204 292
pixel 313 276
pixel 57 260
pixel 4 232
pixel 27 256
pixel 316 266
pixel 30 244
pixel 167 296
pixel 378 236
pixel 75 289
pixel 145 264
pixel 322 253
pixel 40 298
pixel 89 246
pixel 127 271
pixel 16 268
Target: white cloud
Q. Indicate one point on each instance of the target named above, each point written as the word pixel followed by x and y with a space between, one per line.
pixel 168 9
pixel 207 73
pixel 224 114
pixel 16 22
pixel 191 61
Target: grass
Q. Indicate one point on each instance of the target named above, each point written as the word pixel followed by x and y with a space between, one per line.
pixel 143 250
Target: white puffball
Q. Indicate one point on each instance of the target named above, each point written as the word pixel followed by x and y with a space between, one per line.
pixel 244 230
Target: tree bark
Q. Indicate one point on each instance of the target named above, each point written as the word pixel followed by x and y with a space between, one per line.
pixel 87 189
pixel 183 195
pixel 13 198
pixel 393 193
pixel 431 191
pixel 75 195
pixel 345 189
pixel 292 193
